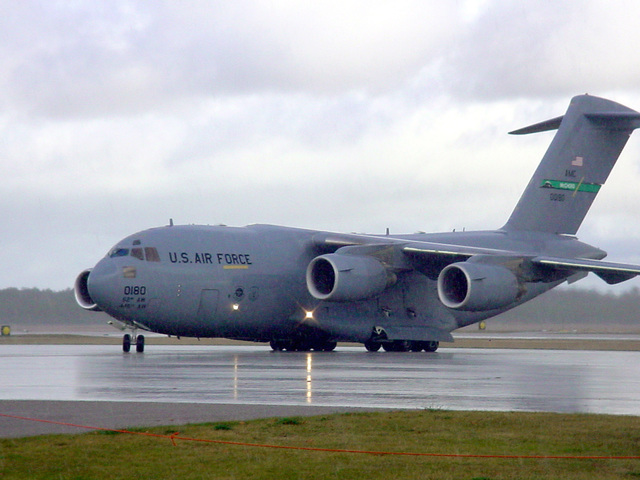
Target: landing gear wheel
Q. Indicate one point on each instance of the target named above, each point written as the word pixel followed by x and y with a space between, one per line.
pixel 126 343
pixel 372 346
pixel 302 345
pixel 431 346
pixel 397 346
pixel 327 346
pixel 140 343
pixel 277 345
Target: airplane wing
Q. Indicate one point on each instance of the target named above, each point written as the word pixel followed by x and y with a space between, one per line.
pixel 335 241
pixel 431 257
pixel 610 272
pixel 451 250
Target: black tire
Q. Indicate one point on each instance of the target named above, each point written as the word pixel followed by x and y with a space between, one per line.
pixel 372 346
pixel 390 347
pixel 397 346
pixel 140 343
pixel 126 343
pixel 329 346
pixel 302 346
pixel 431 346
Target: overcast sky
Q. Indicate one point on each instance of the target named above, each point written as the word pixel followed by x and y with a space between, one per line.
pixel 339 115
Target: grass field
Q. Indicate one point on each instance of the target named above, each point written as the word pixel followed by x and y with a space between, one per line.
pixel 109 455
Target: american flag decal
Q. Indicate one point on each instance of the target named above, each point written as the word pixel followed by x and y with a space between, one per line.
pixel 578 162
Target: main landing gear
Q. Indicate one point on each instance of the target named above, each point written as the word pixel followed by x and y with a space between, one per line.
pixel 137 340
pixel 302 345
pixel 402 346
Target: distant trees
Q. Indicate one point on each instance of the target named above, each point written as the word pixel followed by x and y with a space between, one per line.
pixel 560 308
pixel 31 306
pixel 573 307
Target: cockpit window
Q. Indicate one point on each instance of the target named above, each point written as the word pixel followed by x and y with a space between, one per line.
pixel 118 252
pixel 152 254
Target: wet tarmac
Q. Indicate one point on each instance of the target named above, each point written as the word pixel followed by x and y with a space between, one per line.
pixel 460 379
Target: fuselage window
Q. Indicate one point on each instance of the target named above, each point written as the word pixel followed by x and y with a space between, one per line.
pixel 137 253
pixel 152 254
pixel 118 252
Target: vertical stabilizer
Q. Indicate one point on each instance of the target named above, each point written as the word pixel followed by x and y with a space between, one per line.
pixel 589 140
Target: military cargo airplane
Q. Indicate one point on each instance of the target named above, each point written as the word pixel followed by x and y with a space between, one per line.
pixel 306 290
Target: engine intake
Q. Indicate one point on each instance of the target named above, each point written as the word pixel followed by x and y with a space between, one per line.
pixel 81 292
pixel 477 287
pixel 340 278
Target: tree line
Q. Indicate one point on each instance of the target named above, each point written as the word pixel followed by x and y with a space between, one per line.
pixel 32 306
pixel 571 306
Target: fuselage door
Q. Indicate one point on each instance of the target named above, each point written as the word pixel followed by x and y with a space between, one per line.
pixel 208 304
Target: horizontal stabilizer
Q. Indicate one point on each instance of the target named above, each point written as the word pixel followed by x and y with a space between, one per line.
pixel 616 120
pixel 610 120
pixel 545 126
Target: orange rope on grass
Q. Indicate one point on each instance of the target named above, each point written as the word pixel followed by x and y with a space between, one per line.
pixel 176 436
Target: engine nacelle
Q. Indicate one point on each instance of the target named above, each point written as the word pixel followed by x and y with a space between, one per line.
pixel 81 291
pixel 477 287
pixel 342 278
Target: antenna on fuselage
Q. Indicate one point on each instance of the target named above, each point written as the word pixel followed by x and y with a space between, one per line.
pixel 171 222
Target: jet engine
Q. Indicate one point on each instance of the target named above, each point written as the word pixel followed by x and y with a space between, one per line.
pixel 340 278
pixel 477 287
pixel 81 291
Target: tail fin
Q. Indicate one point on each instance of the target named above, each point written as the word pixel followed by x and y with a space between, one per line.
pixel 589 140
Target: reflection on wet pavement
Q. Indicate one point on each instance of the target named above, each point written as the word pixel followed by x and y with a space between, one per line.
pixel 468 379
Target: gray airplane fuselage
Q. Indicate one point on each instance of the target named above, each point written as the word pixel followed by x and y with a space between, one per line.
pixel 249 282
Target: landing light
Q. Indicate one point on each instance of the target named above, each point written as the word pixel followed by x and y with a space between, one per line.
pixel 308 315
pixel 235 307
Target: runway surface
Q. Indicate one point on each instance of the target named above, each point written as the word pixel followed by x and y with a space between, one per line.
pixel 461 379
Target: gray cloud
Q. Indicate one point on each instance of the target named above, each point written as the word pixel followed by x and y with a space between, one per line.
pixel 354 116
pixel 546 49
pixel 96 59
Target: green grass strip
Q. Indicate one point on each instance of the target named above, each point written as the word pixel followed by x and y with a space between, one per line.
pixel 406 444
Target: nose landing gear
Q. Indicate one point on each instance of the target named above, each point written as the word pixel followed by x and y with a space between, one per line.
pixel 137 340
pixel 129 340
